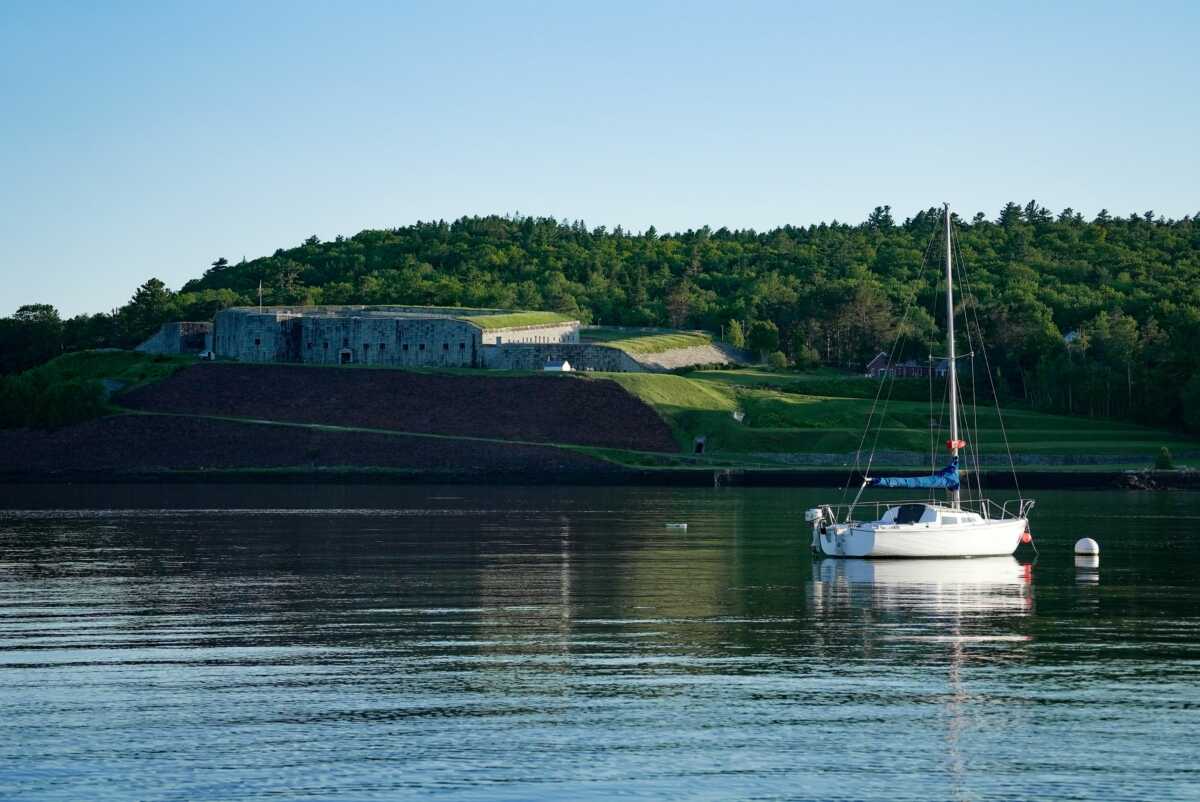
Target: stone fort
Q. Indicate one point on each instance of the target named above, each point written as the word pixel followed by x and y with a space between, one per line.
pixel 408 336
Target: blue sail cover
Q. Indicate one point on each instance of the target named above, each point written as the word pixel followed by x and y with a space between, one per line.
pixel 947 477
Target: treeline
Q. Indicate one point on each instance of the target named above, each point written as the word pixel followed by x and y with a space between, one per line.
pixel 36 333
pixel 1095 317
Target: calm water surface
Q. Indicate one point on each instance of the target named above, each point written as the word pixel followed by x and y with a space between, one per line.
pixel 509 644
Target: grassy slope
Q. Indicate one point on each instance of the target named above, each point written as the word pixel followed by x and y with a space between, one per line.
pixel 646 343
pixel 517 319
pixel 128 367
pixel 794 420
pixel 783 413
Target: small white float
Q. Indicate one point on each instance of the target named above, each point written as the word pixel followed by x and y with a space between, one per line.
pixel 1087 546
pixel 676 526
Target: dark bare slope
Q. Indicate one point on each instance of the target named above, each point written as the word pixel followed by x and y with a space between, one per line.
pixel 551 409
pixel 149 443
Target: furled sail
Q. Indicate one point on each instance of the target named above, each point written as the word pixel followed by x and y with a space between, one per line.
pixel 947 478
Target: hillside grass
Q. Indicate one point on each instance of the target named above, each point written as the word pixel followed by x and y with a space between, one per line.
pixel 131 368
pixel 781 421
pixel 75 387
pixel 655 341
pixel 514 319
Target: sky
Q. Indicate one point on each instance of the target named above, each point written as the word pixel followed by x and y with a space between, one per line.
pixel 149 139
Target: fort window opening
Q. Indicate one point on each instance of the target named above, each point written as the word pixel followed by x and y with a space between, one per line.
pixel 422 347
pixel 345 341
pixel 405 346
pixel 366 347
pixel 257 341
pixel 383 346
pixel 445 346
pixel 462 346
pixel 310 346
pixel 326 346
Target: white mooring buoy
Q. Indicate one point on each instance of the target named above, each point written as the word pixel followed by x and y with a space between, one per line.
pixel 676 526
pixel 1085 545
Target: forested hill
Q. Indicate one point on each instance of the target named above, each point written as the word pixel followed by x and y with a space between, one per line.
pixel 1096 316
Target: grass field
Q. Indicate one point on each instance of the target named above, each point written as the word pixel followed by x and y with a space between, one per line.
pixel 653 341
pixel 778 421
pixel 823 412
pixel 130 368
pixel 517 319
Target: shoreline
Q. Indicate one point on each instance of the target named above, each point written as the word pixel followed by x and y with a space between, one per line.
pixel 663 477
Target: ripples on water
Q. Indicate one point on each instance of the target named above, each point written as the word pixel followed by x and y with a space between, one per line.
pixel 509 643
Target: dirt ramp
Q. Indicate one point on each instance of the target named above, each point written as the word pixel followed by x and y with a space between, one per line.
pixel 548 409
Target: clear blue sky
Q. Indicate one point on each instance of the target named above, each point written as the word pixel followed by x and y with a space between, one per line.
pixel 147 139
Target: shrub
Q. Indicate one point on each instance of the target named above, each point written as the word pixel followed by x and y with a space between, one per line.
pixel 1164 461
pixel 777 360
pixel 807 357
pixel 28 400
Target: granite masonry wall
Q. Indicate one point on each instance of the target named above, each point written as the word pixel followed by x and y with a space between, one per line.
pixel 440 342
pixel 556 333
pixel 582 356
pixel 346 337
pixel 403 336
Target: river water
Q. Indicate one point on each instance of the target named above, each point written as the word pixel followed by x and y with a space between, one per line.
pixel 323 642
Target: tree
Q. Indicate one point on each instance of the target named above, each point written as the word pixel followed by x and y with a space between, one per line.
pixel 777 360
pixel 1010 215
pixel 734 335
pixel 32 335
pixel 148 309
pixel 763 337
pixel 880 219
pixel 807 357
pixel 37 313
pixel 1190 398
pixel 679 303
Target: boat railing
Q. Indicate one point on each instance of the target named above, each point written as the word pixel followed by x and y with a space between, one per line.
pixel 1011 509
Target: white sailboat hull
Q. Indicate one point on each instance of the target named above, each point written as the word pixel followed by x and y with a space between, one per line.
pixel 986 538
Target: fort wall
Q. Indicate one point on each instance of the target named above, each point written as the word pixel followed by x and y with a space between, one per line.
pixel 440 342
pixel 582 356
pixel 346 338
pixel 555 333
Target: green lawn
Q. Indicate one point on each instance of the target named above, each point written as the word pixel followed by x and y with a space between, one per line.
pixel 72 388
pixel 131 368
pixel 653 341
pixel 789 421
pixel 511 319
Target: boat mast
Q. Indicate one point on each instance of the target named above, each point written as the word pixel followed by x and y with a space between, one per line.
pixel 952 373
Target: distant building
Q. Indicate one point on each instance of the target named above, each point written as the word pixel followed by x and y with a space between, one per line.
pixel 401 337
pixel 882 366
pixel 398 336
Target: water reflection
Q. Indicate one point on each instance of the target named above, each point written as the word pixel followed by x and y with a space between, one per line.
pixel 1087 568
pixel 989 584
pixel 390 643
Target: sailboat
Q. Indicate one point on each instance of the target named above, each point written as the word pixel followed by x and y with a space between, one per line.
pixel 952 527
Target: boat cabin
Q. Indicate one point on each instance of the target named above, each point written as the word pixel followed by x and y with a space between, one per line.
pixel 927 514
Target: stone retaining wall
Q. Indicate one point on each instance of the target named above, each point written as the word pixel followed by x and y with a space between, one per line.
pixel 582 356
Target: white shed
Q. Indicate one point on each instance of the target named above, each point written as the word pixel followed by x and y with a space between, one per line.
pixel 558 366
